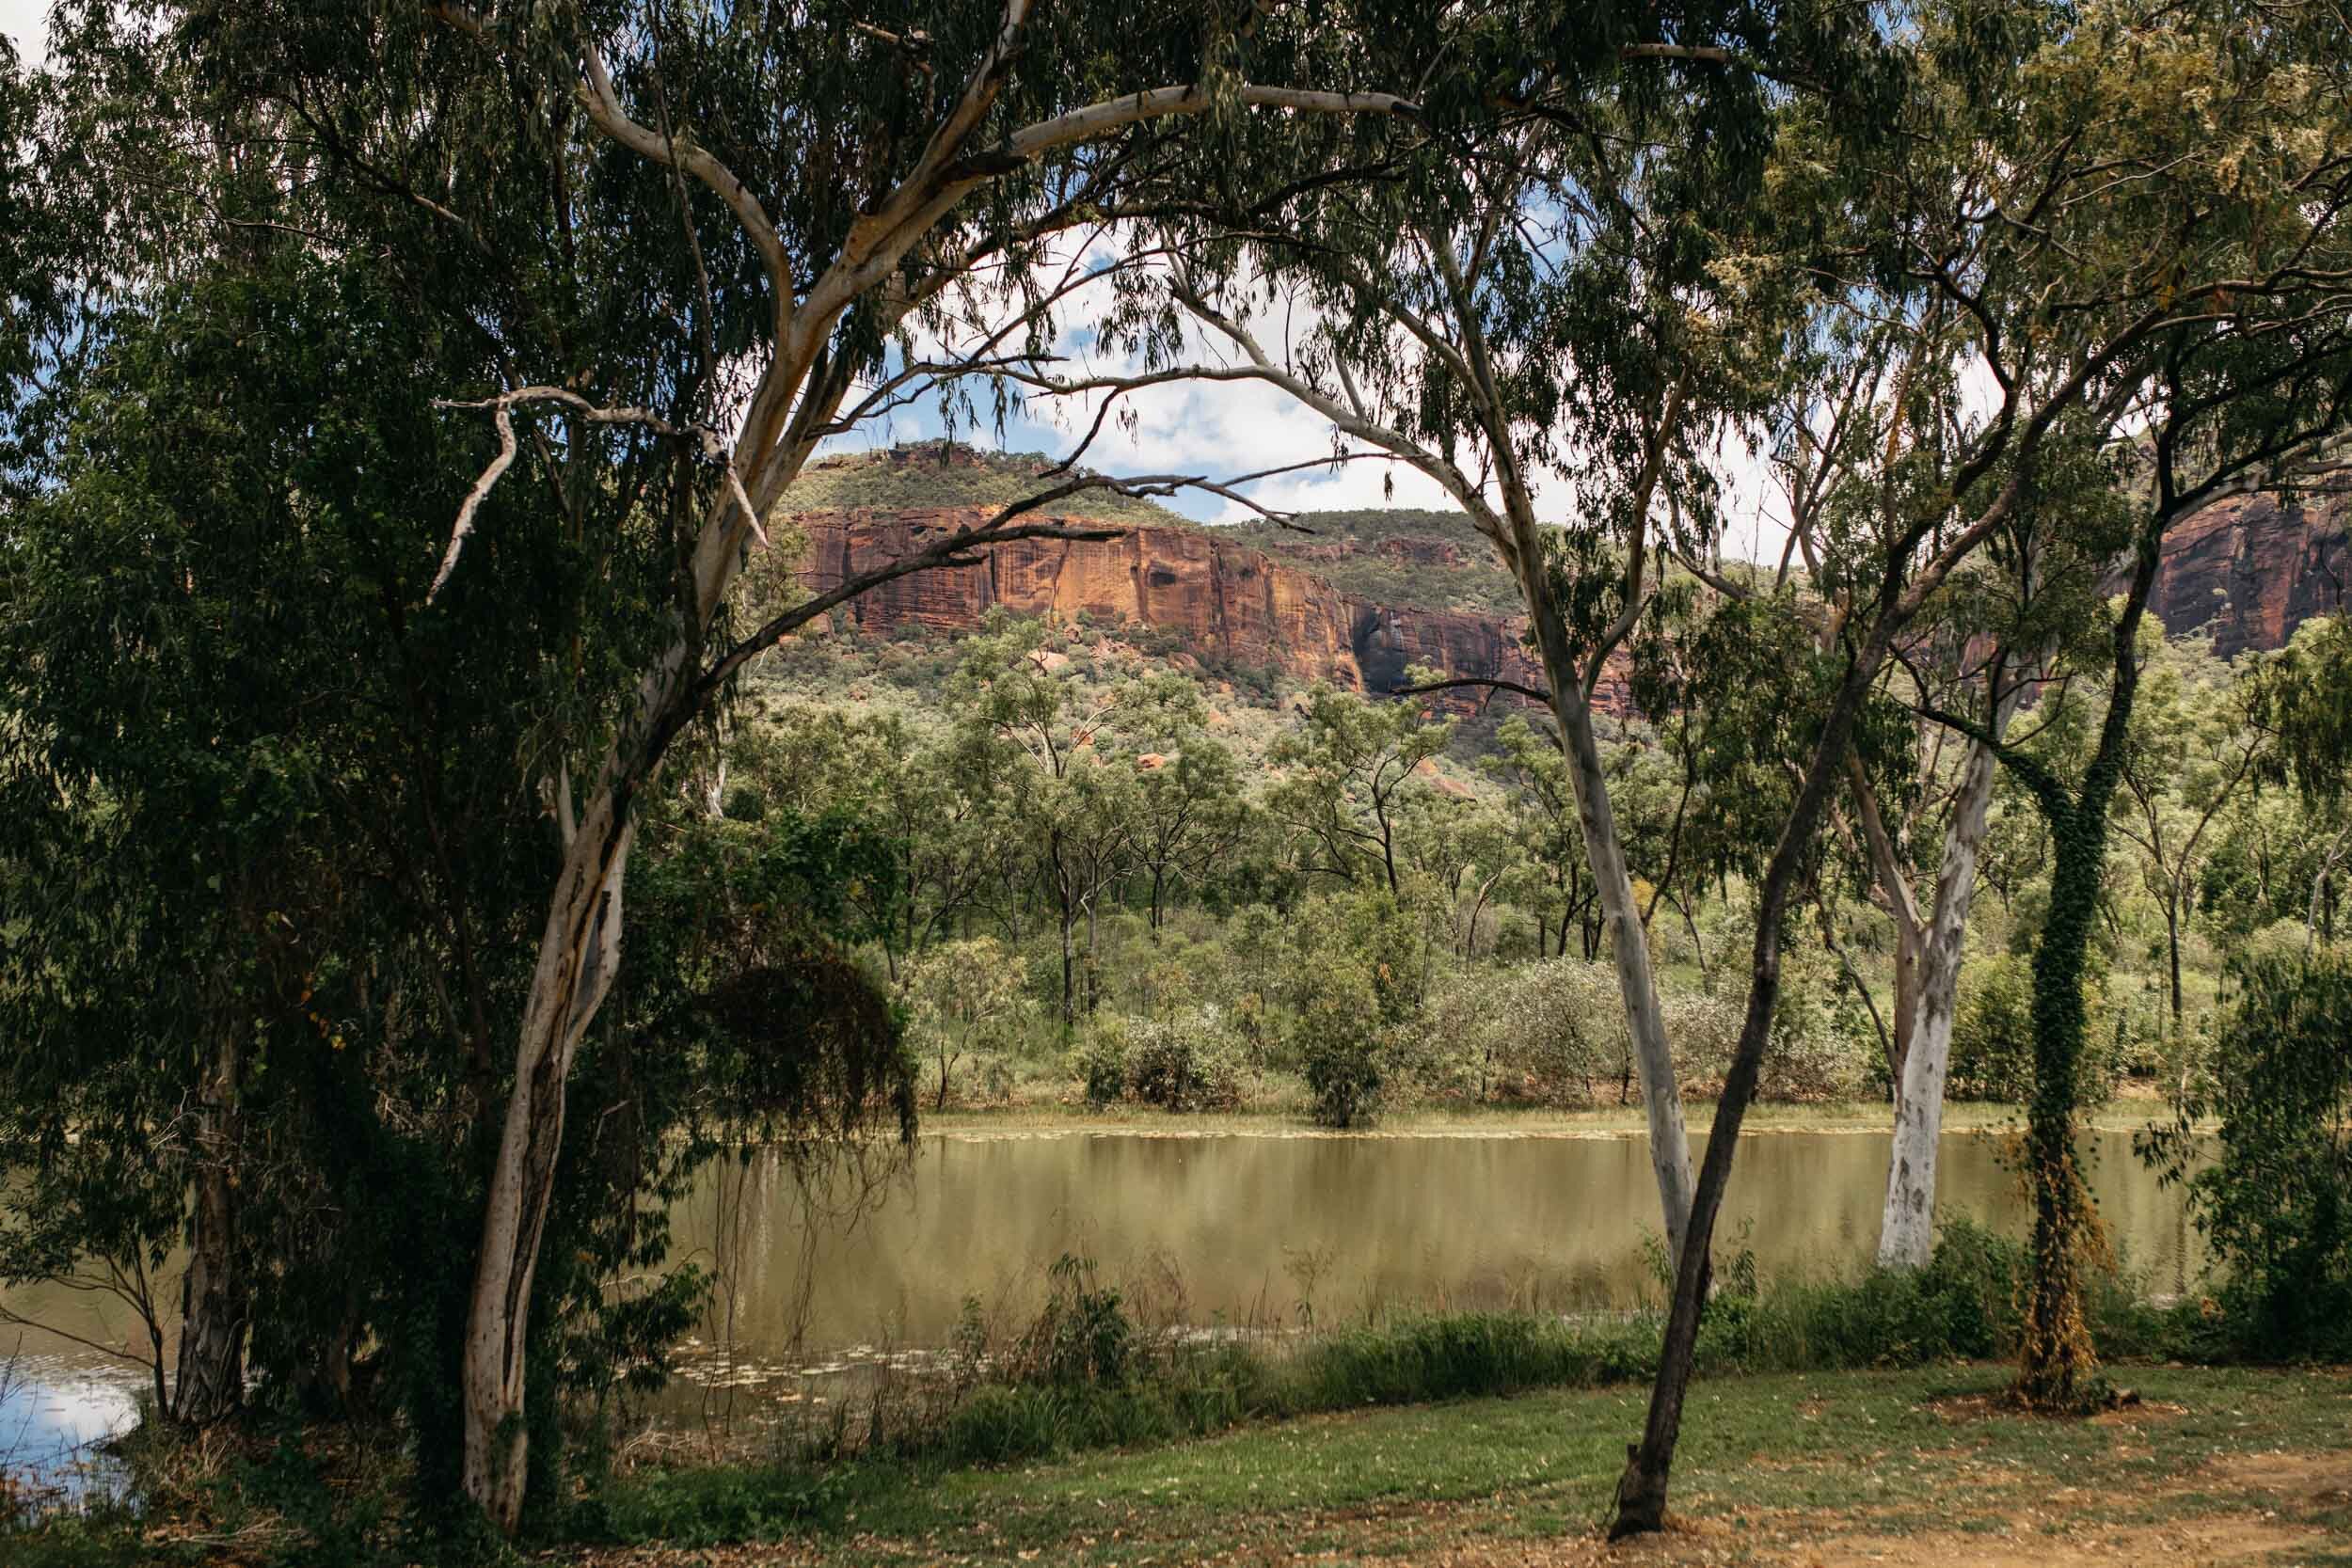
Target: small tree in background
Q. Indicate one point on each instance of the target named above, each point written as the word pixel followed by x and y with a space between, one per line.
pixel 967 999
pixel 2275 1202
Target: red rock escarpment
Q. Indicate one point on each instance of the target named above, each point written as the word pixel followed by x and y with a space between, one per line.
pixel 1229 602
pixel 2251 570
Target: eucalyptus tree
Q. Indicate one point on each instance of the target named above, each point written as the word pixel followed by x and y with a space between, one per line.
pixel 2220 399
pixel 2299 698
pixel 1882 415
pixel 1349 771
pixel 1533 293
pixel 1551 874
pixel 1531 310
pixel 1190 815
pixel 1929 946
pixel 2191 751
pixel 265 862
pixel 1048 729
pixel 691 235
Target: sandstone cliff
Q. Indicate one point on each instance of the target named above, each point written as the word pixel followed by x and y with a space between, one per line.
pixel 2249 569
pixel 1231 604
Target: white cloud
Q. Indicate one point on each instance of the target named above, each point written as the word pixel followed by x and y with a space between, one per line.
pixel 1221 429
pixel 26 23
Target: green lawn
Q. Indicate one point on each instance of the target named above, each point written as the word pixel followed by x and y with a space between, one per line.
pixel 2214 1466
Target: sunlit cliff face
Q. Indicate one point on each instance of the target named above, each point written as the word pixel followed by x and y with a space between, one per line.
pixel 1228 601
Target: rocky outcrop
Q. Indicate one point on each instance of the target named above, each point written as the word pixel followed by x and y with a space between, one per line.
pixel 1231 605
pixel 2251 570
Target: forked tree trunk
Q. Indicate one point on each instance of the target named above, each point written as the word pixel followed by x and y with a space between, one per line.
pixel 802 384
pixel 210 1381
pixel 1906 1229
pixel 578 950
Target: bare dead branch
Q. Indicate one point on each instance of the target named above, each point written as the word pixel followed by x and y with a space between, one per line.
pixel 711 445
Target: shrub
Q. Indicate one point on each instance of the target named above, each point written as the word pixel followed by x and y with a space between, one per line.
pixel 1993 1035
pixel 966 1001
pixel 1192 1062
pixel 1098 1061
pixel 2276 1203
pixel 1704 1030
pixel 1338 1042
pixel 1082 1334
pixel 1547 1032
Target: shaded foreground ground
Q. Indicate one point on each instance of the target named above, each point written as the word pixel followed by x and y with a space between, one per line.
pixel 2213 1467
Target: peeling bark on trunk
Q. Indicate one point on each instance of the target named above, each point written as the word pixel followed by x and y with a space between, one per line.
pixel 579 951
pixel 210 1380
pixel 1911 942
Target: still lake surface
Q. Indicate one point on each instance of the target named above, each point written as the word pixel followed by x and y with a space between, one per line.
pixel 1248 1229
pixel 1243 1227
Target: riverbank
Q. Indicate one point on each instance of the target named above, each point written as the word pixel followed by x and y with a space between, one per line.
pixel 1074 1115
pixel 1086 1436
pixel 1825 1469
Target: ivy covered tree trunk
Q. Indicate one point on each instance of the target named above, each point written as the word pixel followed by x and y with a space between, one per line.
pixel 2059 1365
pixel 209 1384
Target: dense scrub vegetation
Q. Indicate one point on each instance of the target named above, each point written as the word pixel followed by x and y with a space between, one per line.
pixel 1314 901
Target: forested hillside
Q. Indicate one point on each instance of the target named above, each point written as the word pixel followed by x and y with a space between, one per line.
pixel 1125 851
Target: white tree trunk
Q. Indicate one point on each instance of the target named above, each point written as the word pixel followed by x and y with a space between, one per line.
pixel 1629 941
pixel 1906 1230
pixel 579 951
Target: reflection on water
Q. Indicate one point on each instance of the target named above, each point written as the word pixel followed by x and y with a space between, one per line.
pixel 52 1420
pixel 1236 1229
pixel 1243 1227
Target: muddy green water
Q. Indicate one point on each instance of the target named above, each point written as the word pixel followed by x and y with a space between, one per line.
pixel 1246 1227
